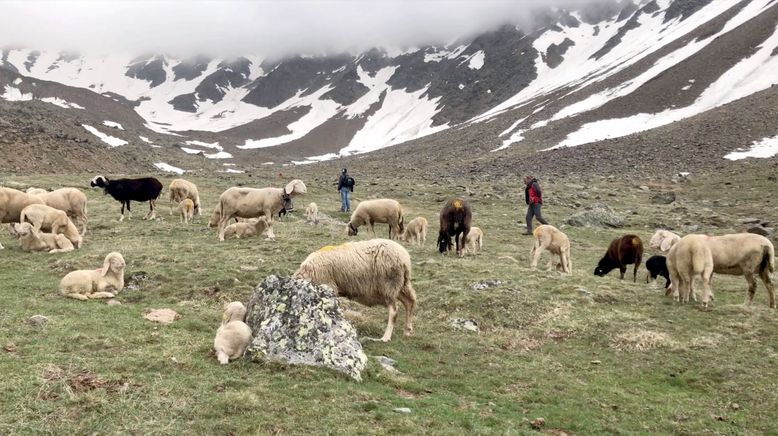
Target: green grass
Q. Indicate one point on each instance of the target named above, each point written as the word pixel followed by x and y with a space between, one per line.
pixel 590 355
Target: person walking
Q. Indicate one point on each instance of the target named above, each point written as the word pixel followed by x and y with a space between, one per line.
pixel 534 199
pixel 345 185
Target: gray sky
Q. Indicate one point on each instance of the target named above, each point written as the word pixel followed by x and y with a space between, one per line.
pixel 268 28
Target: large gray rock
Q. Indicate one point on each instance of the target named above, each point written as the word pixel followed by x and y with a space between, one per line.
pixel 294 321
pixel 663 197
pixel 596 215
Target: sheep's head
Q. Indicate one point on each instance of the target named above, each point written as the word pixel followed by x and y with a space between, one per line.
pixel 286 200
pixel 21 230
pixel 234 311
pixel 352 231
pixel 602 268
pixel 98 182
pixel 444 242
pixel 215 217
pixel 114 262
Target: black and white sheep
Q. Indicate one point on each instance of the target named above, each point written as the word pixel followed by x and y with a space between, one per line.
pixel 126 190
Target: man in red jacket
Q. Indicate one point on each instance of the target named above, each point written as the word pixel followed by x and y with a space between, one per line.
pixel 534 199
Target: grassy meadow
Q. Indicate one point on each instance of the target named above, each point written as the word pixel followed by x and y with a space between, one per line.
pixel 590 355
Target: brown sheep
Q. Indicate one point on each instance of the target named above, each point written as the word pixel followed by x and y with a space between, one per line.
pixel 621 252
pixel 455 221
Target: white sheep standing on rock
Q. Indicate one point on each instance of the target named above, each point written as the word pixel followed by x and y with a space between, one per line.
pixel 663 240
pixel 548 237
pixel 745 254
pixel 374 272
pixel 239 202
pixel 312 213
pixel 104 282
pixel 234 335
pixel 180 190
pixel 475 240
pixel 44 217
pixel 253 227
pixel 381 210
pixel 33 240
pixel 415 231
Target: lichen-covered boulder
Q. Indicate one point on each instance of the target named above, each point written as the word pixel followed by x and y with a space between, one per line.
pixel 297 322
pixel 596 215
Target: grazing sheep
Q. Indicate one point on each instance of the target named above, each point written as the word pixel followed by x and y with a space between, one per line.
pixel 745 254
pixel 181 190
pixel 12 202
pixel 374 272
pixel 104 282
pixel 70 200
pixel 454 221
pixel 662 240
pixel 621 252
pixel 33 240
pixel 187 209
pixel 548 237
pixel 127 190
pixel 416 231
pixel 312 213
pixel 238 202
pixel 44 217
pixel 234 335
pixel 36 191
pixel 381 210
pixel 253 227
pixel 656 266
pixel 475 240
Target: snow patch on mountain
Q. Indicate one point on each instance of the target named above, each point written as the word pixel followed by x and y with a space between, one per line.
pixel 476 60
pixel 169 168
pixel 56 101
pixel 113 124
pixel 15 94
pixel 767 147
pixel 108 139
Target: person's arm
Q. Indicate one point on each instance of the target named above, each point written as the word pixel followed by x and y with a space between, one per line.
pixel 537 189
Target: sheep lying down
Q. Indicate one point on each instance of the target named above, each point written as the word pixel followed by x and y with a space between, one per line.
pixel 104 282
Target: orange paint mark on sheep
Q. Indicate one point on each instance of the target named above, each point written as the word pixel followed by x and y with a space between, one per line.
pixel 327 248
pixel 457 204
pixel 635 241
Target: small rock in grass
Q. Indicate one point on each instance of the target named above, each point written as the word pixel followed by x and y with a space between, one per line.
pixel 162 316
pixel 465 324
pixel 402 410
pixel 113 303
pixel 537 423
pixel 37 320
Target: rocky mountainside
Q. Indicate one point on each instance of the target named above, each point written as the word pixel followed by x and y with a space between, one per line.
pixel 603 72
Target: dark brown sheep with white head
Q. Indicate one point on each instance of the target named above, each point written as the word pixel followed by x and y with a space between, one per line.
pixel 454 221
pixel 622 251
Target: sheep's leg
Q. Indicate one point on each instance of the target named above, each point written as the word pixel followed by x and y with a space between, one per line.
pixel 121 216
pixel 392 306
pixel 534 255
pixel 96 295
pixel 270 233
pixel 765 275
pixel 81 297
pixel 622 271
pixel 751 288
pixel 635 272
pixel 410 305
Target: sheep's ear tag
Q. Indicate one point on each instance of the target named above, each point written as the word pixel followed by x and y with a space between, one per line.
pixel 457 204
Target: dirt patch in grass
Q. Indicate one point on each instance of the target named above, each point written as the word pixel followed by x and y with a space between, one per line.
pixel 59 380
pixel 641 341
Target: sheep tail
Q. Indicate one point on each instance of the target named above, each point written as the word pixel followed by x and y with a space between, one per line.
pixel 768 259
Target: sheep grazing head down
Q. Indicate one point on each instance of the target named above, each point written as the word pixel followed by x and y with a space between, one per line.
pixel 114 262
pixel 215 217
pixel 352 231
pixel 286 201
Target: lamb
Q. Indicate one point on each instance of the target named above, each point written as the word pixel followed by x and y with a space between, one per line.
pixel 70 200
pixel 36 191
pixel 381 210
pixel 234 335
pixel 373 272
pixel 181 190
pixel 455 221
pixel 475 240
pixel 12 202
pixel 253 203
pixel 621 252
pixel 657 267
pixel 663 240
pixel 187 209
pixel 44 217
pixel 104 282
pixel 253 227
pixel 745 254
pixel 312 213
pixel 127 190
pixel 548 237
pixel 416 231
pixel 32 240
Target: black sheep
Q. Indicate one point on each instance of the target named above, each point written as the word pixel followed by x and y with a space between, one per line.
pixel 126 190
pixel 621 252
pixel 657 266
pixel 454 221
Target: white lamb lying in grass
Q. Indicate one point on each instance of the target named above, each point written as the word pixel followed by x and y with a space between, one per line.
pixel 104 282
pixel 234 335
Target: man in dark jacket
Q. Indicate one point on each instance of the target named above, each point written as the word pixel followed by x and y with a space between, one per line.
pixel 534 199
pixel 345 185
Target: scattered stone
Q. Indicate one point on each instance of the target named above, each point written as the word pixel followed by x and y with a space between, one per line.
pixel 37 320
pixel 162 316
pixel 10 347
pixel 465 324
pixel 759 230
pixel 596 215
pixel 663 197
pixel 299 323
pixel 486 284
pixel 644 188
pixel 248 268
pixel 735 406
pixel 595 362
pixel 750 220
pixel 113 302
pixel 136 281
pixel 387 364
pixel 583 290
pixel 402 410
pixel 537 423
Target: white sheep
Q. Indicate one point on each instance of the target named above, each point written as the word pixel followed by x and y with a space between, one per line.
pixel 415 231
pixel 663 240
pixel 181 190
pixel 374 272
pixel 381 210
pixel 12 202
pixel 239 202
pixel 475 240
pixel 44 217
pixel 186 207
pixel 105 282
pixel 36 191
pixel 33 240
pixel 312 213
pixel 234 335
pixel 548 237
pixel 70 200
pixel 745 254
pixel 253 227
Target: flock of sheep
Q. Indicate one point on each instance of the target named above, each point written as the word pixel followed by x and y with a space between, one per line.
pixel 372 272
